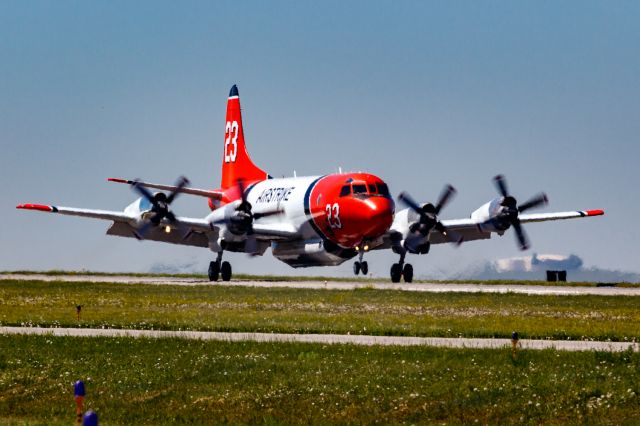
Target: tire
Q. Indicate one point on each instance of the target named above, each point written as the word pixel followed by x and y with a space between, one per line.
pixel 356 267
pixel 225 271
pixel 214 271
pixel 407 273
pixel 364 267
pixel 396 272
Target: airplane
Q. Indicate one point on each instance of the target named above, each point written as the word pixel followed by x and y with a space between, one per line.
pixel 307 221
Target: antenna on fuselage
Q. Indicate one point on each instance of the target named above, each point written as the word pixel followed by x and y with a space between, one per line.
pixel 340 169
pixel 295 175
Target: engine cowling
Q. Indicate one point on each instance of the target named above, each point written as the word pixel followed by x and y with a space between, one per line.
pixel 138 208
pixel 490 216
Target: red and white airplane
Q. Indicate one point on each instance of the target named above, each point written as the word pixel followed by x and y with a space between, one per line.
pixel 307 221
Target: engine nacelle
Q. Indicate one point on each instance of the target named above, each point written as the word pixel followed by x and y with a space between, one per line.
pixel 405 222
pixel 228 218
pixel 488 216
pixel 139 208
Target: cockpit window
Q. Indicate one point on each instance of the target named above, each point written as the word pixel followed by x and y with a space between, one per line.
pixel 383 189
pixel 360 189
pixel 346 190
pixel 372 188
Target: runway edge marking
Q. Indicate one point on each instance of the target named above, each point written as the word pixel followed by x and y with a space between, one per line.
pixel 444 342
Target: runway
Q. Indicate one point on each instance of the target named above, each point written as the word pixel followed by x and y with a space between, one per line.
pixel 438 287
pixel 564 345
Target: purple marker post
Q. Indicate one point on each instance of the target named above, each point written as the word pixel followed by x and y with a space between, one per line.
pixel 78 392
pixel 90 419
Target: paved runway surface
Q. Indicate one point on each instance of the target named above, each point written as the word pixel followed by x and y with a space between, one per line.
pixel 565 345
pixel 336 285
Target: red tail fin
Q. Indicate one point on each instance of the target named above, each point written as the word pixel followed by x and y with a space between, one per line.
pixel 236 163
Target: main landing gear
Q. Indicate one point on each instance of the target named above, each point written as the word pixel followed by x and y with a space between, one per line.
pixel 360 265
pixel 401 269
pixel 218 268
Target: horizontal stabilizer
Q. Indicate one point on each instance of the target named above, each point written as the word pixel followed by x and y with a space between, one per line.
pixel 215 195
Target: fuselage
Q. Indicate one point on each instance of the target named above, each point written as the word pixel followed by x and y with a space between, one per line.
pixel 333 215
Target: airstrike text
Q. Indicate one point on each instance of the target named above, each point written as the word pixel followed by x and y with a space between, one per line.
pixel 275 195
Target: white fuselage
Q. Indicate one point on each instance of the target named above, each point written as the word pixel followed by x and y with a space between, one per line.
pixel 290 196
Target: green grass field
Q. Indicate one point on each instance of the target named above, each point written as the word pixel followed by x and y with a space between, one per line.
pixel 361 311
pixel 171 381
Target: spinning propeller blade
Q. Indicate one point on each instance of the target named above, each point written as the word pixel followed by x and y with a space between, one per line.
pixel 511 209
pixel 429 215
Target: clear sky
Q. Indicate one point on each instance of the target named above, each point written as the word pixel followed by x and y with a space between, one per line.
pixel 420 93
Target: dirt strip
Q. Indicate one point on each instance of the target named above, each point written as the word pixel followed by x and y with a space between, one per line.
pixel 565 345
pixel 336 285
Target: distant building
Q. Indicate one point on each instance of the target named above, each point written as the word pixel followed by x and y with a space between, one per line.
pixel 538 263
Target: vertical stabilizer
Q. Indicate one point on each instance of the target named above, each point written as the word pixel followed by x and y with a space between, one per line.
pixel 236 163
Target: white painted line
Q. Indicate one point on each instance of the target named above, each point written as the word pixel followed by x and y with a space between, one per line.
pixel 564 345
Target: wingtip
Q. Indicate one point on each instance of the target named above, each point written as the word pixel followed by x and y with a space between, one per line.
pixel 595 212
pixel 234 91
pixel 39 207
pixel 118 180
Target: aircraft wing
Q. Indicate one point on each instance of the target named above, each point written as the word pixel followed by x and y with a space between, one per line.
pixel 216 195
pixel 467 228
pixel 471 230
pixel 542 217
pixel 124 225
pixel 71 211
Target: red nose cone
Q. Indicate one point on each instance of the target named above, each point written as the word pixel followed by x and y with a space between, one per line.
pixel 375 216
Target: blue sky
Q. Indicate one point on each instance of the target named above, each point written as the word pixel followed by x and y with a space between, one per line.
pixel 420 93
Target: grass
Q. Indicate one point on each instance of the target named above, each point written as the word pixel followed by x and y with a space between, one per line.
pixel 286 310
pixel 268 278
pixel 171 381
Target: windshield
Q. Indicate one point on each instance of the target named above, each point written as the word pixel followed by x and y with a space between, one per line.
pixel 359 189
pixel 383 189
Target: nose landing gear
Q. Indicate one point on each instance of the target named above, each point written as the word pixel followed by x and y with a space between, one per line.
pixel 360 265
pixel 221 269
pixel 400 270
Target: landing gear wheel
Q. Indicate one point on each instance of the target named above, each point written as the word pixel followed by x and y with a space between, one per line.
pixel 225 271
pixel 396 272
pixel 356 268
pixel 364 267
pixel 214 271
pixel 407 272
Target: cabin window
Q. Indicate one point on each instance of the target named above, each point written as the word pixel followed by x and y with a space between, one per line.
pixel 346 190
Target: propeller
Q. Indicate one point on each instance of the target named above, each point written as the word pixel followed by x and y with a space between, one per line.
pixel 429 215
pixel 244 218
pixel 511 209
pixel 160 207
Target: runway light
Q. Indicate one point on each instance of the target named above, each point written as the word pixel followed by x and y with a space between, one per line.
pixel 167 229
